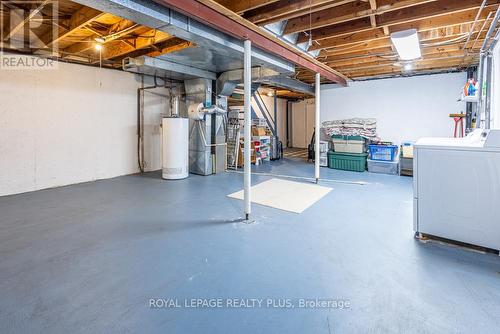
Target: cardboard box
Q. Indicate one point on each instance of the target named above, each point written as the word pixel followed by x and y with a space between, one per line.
pixel 258 131
pixel 407 151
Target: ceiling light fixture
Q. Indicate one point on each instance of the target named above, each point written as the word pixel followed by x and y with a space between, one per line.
pixel 98 46
pixel 100 40
pixel 407 44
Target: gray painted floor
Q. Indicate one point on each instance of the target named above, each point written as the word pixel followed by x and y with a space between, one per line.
pixel 87 258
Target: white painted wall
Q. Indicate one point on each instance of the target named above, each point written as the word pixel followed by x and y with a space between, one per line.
pixel 405 108
pixel 72 125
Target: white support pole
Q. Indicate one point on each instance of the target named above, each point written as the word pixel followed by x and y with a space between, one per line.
pixel 317 129
pixel 247 80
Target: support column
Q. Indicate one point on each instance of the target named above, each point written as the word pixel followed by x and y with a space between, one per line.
pixel 247 80
pixel 317 129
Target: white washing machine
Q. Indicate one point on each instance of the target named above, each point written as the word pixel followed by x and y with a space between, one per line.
pixel 456 188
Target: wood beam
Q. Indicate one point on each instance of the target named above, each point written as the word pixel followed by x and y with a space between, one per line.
pixel 328 36
pixel 119 30
pixel 381 62
pixel 348 12
pixel 331 16
pixel 426 53
pixel 358 54
pixel 348 39
pixel 171 45
pixel 341 29
pixel 436 8
pixel 241 6
pixel 117 49
pixel 386 43
pixel 446 20
pixel 373 7
pixel 78 20
pixel 440 65
pixel 375 34
pixel 289 9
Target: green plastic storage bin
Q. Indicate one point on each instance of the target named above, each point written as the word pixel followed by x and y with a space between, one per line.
pixel 347 137
pixel 355 162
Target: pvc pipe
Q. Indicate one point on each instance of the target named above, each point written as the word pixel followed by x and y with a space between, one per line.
pixel 247 80
pixel 491 29
pixel 487 104
pixel 480 79
pixel 317 129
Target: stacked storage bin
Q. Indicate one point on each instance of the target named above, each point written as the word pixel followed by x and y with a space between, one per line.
pixel 349 153
pixel 383 159
pixel 323 151
pixel 406 159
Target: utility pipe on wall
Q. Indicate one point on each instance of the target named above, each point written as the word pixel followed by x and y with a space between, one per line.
pixel 480 78
pixel 317 129
pixel 247 81
pixel 487 105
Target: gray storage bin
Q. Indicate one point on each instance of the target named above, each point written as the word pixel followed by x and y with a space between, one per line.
pixel 383 167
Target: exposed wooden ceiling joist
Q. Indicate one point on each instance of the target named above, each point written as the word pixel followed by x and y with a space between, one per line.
pixel 432 24
pixel 439 36
pixel 241 6
pixel 348 12
pixel 427 52
pixel 78 20
pixel 444 13
pixel 145 40
pixel 117 31
pixel 286 9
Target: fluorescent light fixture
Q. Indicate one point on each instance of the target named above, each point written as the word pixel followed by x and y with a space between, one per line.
pixel 407 44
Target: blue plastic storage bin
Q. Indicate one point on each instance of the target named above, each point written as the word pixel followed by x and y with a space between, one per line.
pixel 383 152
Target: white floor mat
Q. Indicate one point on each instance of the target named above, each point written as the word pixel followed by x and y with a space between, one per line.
pixel 285 195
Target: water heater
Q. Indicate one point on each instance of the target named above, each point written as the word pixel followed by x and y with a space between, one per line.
pixel 175 148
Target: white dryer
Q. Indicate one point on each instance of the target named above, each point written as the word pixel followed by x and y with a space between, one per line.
pixel 456 188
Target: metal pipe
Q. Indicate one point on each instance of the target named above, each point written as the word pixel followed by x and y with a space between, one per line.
pixel 486 62
pixel 480 79
pixel 474 24
pixel 317 128
pixel 495 41
pixel 276 117
pixel 491 29
pixel 481 30
pixel 288 125
pixel 487 106
pixel 247 79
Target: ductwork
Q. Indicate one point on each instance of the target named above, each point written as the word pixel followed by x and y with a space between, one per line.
pixel 227 81
pixel 165 69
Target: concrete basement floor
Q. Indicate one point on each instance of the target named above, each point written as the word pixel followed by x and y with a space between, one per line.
pixel 87 258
